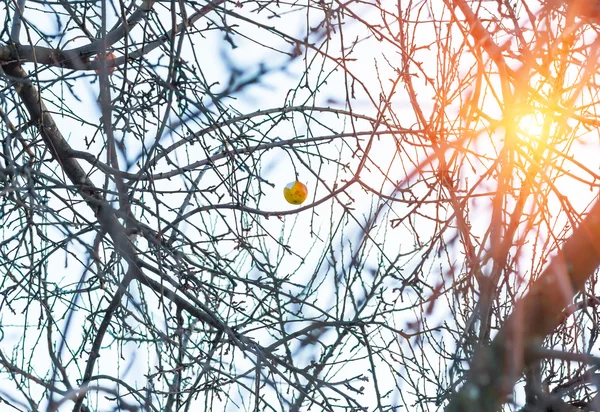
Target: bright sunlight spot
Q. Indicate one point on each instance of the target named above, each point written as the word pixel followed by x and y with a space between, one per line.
pixel 531 125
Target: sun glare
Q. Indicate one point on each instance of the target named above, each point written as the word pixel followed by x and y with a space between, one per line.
pixel 531 125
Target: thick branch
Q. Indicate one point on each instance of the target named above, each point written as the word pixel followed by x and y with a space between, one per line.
pixel 105 214
pixel 77 58
pixel 496 368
